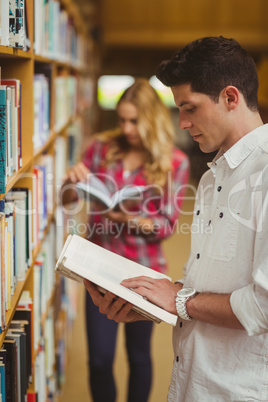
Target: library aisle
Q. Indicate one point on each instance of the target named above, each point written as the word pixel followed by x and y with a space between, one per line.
pixel 76 388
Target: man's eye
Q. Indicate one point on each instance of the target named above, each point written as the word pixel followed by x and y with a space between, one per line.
pixel 191 110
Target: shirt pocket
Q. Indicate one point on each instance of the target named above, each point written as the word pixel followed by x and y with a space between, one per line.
pixel 223 238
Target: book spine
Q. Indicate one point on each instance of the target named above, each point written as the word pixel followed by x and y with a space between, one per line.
pixel 2 139
pixel 16 24
pixel 3 261
pixel 4 23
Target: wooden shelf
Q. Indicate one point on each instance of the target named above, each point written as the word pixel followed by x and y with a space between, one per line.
pixel 23 65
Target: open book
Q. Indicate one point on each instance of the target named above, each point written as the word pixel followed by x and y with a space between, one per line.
pixel 95 189
pixel 82 259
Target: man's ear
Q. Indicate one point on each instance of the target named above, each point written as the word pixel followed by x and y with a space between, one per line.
pixel 231 97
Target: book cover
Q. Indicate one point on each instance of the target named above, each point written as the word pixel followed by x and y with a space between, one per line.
pixel 82 259
pixel 96 190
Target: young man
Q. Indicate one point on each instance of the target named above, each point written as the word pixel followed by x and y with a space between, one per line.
pixel 221 339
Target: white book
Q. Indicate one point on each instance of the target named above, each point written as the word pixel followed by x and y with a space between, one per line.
pixel 95 189
pixel 81 259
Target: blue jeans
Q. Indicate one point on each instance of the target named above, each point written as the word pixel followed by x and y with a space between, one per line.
pixel 101 337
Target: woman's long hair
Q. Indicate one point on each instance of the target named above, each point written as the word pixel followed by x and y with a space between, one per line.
pixel 155 128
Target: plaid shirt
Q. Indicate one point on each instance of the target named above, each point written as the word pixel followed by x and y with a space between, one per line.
pixel 163 208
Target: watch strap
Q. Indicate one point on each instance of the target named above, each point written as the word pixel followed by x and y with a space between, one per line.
pixel 181 308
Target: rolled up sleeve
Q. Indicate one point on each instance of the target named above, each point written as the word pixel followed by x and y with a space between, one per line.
pixel 248 310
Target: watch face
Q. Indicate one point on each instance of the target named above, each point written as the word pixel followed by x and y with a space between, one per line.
pixel 187 292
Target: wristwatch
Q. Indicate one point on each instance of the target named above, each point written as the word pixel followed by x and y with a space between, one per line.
pixel 182 297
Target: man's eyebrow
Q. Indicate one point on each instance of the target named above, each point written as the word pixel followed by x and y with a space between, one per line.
pixel 183 103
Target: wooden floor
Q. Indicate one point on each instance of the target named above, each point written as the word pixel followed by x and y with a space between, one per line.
pixel 76 387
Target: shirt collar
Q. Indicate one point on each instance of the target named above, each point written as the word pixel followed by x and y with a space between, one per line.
pixel 242 148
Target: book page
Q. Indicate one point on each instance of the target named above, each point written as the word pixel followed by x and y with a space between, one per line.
pixel 128 192
pixel 101 261
pixel 83 259
pixel 97 188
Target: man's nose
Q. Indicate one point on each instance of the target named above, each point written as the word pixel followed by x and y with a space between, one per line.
pixel 184 123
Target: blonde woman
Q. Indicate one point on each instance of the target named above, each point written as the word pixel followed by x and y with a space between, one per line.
pixel 140 152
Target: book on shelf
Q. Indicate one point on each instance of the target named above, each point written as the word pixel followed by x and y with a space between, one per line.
pixel 41 111
pixel 3 263
pixel 95 189
pixel 17 32
pixel 24 194
pixel 32 396
pixel 19 336
pixel 81 259
pixel 23 316
pixel 11 372
pixel 2 381
pixel 4 21
pixel 22 241
pixel 15 86
pixel 3 135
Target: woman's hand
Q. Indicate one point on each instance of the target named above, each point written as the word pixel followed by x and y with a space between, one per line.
pixel 78 172
pixel 113 307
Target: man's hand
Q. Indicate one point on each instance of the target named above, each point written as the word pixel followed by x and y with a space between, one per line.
pixel 161 292
pixel 113 307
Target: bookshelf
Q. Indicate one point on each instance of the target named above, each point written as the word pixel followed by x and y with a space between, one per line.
pixel 56 78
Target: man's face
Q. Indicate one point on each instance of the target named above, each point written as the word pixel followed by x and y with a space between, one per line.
pixel 206 120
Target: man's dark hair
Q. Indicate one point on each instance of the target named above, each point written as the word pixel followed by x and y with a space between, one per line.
pixel 209 65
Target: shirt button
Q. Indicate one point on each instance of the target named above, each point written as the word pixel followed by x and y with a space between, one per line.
pixel 198 212
pixel 221 215
pixel 198 256
pixel 180 324
pixel 219 188
pixel 209 222
pixel 177 358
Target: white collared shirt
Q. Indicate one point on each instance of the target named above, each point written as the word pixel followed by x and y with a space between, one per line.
pixel 229 254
